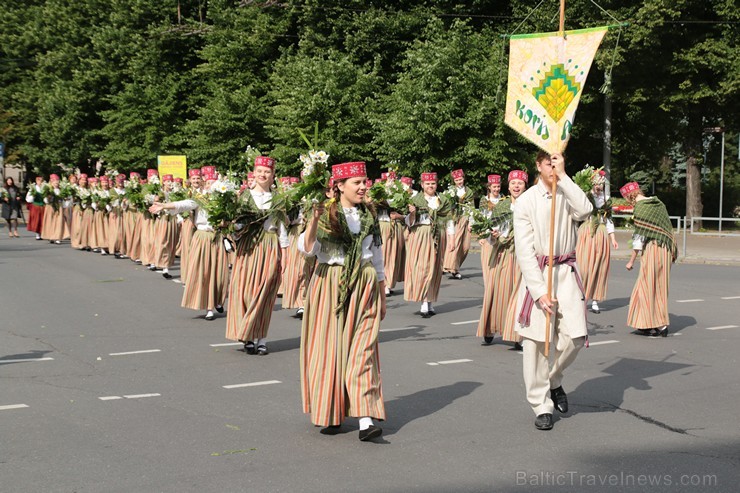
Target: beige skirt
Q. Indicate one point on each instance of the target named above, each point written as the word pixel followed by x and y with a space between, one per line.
pixel 423 276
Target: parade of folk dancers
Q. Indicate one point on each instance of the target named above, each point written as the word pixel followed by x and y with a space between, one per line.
pixel 335 251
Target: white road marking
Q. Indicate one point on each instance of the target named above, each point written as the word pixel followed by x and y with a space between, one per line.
pixel 720 327
pixel 140 396
pixel 252 384
pixel 599 343
pixel 12 406
pixel 396 330
pixel 449 362
pixel 688 301
pixel 136 352
pixel 731 297
pixel 227 344
pixel 2 361
pixel 110 398
pixel 466 322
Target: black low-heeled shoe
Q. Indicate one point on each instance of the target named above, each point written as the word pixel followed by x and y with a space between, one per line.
pixel 166 275
pixel 262 350
pixel 662 332
pixel 559 399
pixel 331 430
pixel 219 309
pixel 487 340
pixel 370 433
pixel 249 347
pixel 543 422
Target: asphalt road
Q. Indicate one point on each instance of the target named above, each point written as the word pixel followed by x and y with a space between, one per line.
pixel 75 416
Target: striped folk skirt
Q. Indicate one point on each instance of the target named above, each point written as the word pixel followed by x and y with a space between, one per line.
pixel 255 277
pixel 76 227
pixel 165 240
pixel 401 238
pixel 147 239
pixel 294 274
pixel 53 223
pixel 187 230
pixel 208 270
pixel 393 245
pixel 340 367
pixel 35 218
pixel 100 224
pixel 499 292
pixel 649 300
pixel 423 276
pixel 485 259
pixel 132 228
pixel 455 258
pixel 593 259
pixel 86 226
pixel 116 232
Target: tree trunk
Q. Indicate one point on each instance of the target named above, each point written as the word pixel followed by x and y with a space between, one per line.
pixel 694 206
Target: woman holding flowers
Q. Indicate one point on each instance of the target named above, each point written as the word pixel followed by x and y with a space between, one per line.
pixel 116 236
pixel 206 266
pixel 53 222
pixel 132 216
pixel 165 232
pixel 340 369
pixel 595 236
pixel 100 217
pixel 429 216
pixel 462 198
pixel 503 275
pixel 487 203
pixel 35 205
pixel 261 244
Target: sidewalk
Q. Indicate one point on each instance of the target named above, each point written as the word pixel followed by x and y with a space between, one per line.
pixel 700 249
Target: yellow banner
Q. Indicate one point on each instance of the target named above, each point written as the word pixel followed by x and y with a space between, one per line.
pixel 547 72
pixel 177 166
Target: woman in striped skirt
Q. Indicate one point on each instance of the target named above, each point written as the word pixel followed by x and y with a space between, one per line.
pixel 206 266
pixel 257 268
pixel 297 273
pixel 165 235
pixel 340 368
pixel 429 213
pixel 187 229
pixel 53 222
pixel 116 236
pixel 504 276
pixel 87 213
pixel 132 218
pixel 455 257
pixel 100 217
pixel 595 236
pixel 35 205
pixel 148 245
pixel 487 203
pixel 653 236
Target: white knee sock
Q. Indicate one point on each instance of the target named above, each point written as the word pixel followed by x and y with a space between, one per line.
pixel 425 307
pixel 366 423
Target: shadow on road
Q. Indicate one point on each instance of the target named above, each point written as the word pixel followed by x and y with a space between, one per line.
pixel 410 407
pixel 30 355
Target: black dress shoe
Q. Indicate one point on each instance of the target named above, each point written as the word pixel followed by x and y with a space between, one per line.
pixel 249 347
pixel 488 340
pixel 543 422
pixel 219 309
pixel 426 314
pixel 559 399
pixel 662 332
pixel 518 346
pixel 331 430
pixel 370 433
pixel 166 275
pixel 262 350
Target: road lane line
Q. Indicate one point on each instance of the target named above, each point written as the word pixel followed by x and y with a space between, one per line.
pixel 599 343
pixel 252 384
pixel 140 396
pixel 731 297
pixel 454 361
pixel 110 398
pixel 136 352
pixel 466 322
pixel 2 361
pixel 720 327
pixel 12 406
pixel 227 344
pixel 396 330
pixel 688 301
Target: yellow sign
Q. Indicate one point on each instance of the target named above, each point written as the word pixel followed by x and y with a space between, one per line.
pixel 177 166
pixel 547 72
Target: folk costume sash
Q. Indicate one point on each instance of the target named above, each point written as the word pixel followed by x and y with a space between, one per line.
pixel 348 244
pixel 652 222
pixel 567 259
pixel 253 218
pixel 500 215
pixel 436 216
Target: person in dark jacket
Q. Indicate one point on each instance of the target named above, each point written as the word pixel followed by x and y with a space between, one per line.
pixel 11 201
